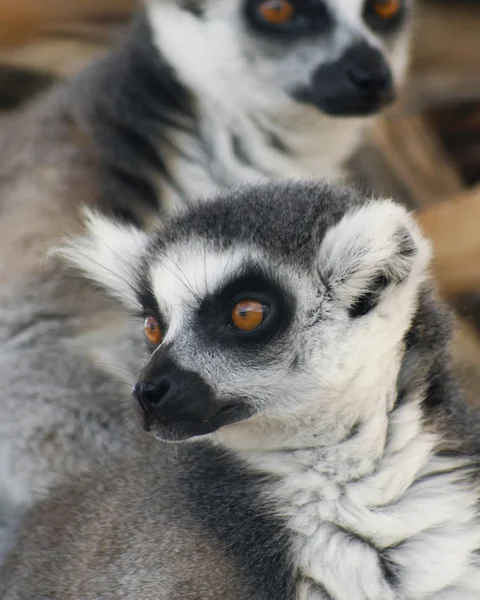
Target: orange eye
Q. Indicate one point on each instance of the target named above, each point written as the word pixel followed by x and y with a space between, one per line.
pixel 276 12
pixel 387 9
pixel 247 315
pixel 153 331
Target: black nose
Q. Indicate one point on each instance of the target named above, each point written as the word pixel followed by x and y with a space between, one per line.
pixel 141 390
pixel 368 74
pixel 358 83
pixel 141 402
pixel 365 79
pixel 174 396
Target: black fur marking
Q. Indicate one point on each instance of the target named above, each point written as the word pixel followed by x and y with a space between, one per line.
pixel 389 568
pixel 192 6
pixel 135 185
pixel 368 301
pixel 320 588
pixel 226 498
pixel 426 365
pixel 353 432
pixel 214 316
pixel 129 104
pixel 405 243
pixel 149 303
pixel 276 142
pixel 240 151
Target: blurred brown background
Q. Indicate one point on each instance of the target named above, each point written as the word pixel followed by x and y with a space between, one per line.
pixel 425 151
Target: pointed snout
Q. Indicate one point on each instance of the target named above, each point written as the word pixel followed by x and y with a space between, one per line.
pixel 175 395
pixel 359 83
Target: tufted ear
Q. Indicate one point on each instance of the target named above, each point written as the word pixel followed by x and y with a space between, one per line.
pixel 371 249
pixel 110 254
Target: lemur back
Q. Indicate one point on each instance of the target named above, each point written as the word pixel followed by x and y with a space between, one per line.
pixel 133 136
pixel 312 443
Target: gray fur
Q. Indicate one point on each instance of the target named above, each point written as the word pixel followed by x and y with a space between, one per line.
pixel 354 472
pixel 130 137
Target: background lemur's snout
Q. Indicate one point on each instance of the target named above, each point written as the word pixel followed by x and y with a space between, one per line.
pixel 359 83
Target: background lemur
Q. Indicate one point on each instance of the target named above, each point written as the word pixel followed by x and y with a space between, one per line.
pixel 294 340
pixel 202 94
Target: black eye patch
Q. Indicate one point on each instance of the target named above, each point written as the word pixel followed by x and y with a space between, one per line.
pixel 384 15
pixel 215 312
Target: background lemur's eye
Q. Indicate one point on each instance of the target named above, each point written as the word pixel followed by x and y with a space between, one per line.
pixel 276 12
pixel 247 315
pixel 387 9
pixel 153 331
pixel 384 15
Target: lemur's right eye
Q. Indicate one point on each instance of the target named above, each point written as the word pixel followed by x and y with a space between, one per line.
pixel 248 315
pixel 153 331
pixel 276 12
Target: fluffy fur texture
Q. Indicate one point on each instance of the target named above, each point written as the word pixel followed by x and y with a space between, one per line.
pixel 346 464
pixel 248 125
pixel 191 100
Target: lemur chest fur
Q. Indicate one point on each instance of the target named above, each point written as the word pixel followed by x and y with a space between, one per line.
pixel 399 524
pixel 230 148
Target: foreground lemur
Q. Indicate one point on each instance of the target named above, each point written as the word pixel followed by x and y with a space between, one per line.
pixel 201 94
pixel 295 342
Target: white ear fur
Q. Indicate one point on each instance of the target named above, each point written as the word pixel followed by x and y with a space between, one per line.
pixel 380 238
pixel 109 254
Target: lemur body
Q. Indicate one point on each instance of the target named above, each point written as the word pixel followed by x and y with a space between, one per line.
pixel 198 97
pixel 298 352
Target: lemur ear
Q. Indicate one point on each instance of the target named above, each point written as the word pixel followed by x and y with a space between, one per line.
pixel 109 253
pixel 371 249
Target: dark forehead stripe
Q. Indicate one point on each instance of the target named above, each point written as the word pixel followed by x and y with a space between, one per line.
pixel 287 219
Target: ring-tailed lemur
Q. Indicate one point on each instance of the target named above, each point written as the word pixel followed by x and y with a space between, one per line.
pixel 207 93
pixel 295 341
pixel 201 94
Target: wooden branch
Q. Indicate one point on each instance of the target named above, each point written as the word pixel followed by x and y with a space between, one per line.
pixel 438 88
pixel 22 20
pixel 61 57
pixel 454 229
pixel 446 37
pixel 404 158
pixel 466 359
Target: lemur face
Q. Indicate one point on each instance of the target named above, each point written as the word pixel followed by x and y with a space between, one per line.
pixel 267 305
pixel 341 56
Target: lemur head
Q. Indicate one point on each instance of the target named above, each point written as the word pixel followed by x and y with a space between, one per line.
pixel 277 309
pixel 342 56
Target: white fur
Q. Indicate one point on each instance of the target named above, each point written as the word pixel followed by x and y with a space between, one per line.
pixel 109 255
pixel 352 248
pixel 341 524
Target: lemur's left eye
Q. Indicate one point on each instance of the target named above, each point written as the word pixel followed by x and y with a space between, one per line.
pixel 276 12
pixel 153 331
pixel 387 9
pixel 248 315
